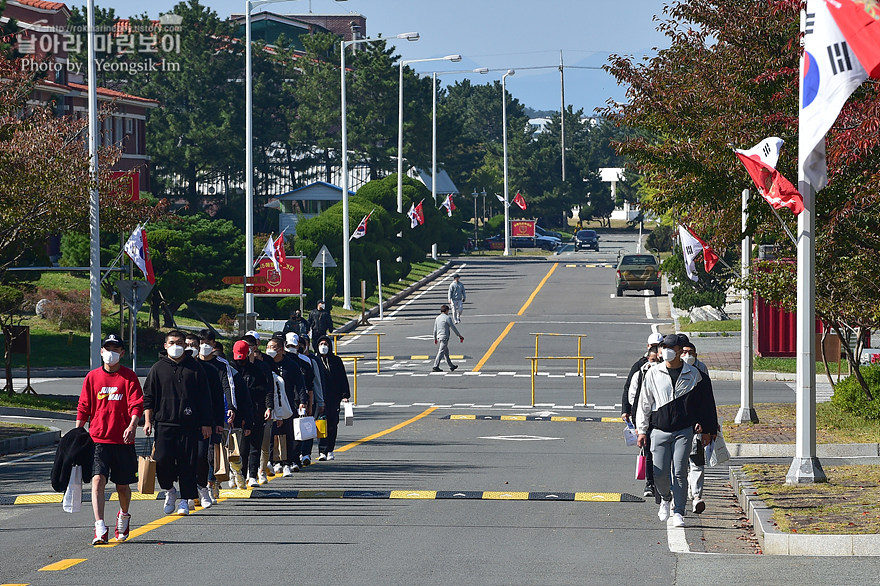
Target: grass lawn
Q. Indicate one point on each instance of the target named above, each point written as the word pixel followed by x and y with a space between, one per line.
pixel 848 504
pixel 790 365
pixel 726 325
pixel 48 403
pixel 777 425
pixel 11 430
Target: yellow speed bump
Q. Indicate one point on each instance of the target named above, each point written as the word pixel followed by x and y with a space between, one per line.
pixel 38 499
pixel 563 418
pixel 471 417
pixel 598 497
pixel 513 418
pixel 506 496
pixel 413 494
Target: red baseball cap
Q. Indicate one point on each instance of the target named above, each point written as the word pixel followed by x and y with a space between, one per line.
pixel 240 350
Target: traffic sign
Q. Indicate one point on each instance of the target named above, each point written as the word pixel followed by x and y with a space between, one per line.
pixel 134 292
pixel 256 289
pixel 241 280
pixel 324 259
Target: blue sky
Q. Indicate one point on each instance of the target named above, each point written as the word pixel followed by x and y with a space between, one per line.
pixel 498 34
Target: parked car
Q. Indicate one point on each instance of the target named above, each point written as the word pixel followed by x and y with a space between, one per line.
pixel 539 231
pixel 637 272
pixel 586 239
pixel 544 242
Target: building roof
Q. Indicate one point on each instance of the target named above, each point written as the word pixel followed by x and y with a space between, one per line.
pixel 317 191
pixel 42 4
pixel 102 91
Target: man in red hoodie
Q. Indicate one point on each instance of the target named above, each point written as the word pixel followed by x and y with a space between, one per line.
pixel 111 402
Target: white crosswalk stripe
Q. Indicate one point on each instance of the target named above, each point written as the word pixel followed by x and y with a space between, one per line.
pixel 503 406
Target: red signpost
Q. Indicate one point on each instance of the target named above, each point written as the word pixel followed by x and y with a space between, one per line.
pixel 283 283
pixel 524 228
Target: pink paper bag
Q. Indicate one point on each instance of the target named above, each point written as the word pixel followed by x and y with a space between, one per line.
pixel 641 463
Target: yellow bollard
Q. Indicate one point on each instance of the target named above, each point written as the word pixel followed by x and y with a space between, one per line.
pixel 534 368
pixel 584 361
pixel 355 392
pixel 378 353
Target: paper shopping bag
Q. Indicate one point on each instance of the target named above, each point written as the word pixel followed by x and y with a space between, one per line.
pixel 147 471
pixel 221 463
pixel 304 428
pixel 321 425
pixel 72 501
pixel 349 413
pixel 233 445
pixel 641 465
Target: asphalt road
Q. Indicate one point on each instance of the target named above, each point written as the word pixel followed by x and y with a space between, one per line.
pixel 446 490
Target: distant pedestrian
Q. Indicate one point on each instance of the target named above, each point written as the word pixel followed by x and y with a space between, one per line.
pixel 442 326
pixel 320 323
pixel 177 400
pixel 296 324
pixel 457 296
pixel 111 402
pixel 336 391
pixel 697 460
pixel 675 401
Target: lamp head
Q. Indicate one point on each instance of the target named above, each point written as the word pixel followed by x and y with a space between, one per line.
pixel 482 70
pixel 413 36
pixel 453 58
pixel 510 72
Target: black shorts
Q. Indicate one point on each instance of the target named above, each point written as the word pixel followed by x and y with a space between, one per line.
pixel 116 462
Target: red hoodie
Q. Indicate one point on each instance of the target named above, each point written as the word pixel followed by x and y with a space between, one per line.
pixel 108 402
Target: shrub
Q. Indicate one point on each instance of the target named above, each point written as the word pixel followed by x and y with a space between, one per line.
pixel 660 239
pixel 849 395
pixel 10 298
pixel 68 310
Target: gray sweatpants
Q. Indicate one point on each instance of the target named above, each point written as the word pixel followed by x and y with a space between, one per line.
pixel 442 352
pixel 670 451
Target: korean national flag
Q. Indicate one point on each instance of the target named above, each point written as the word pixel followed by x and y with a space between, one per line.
pixel 830 72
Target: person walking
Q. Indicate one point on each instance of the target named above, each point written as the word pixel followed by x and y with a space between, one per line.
pixel 177 400
pixel 675 401
pixel 320 323
pixel 296 324
pixel 630 401
pixel 257 378
pixel 697 459
pixel 287 367
pixel 336 391
pixel 318 376
pixel 111 403
pixel 456 296
pixel 653 342
pixel 442 326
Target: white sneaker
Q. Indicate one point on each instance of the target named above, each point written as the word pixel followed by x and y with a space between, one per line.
pixel 240 483
pixel 191 503
pixel 294 467
pixel 261 477
pixel 286 471
pixel 215 493
pixel 663 513
pixel 330 456
pixel 231 484
pixel 699 506
pixel 278 469
pixel 252 482
pixel 182 507
pixel 205 498
pixel 322 457
pixel 170 500
pixel 677 520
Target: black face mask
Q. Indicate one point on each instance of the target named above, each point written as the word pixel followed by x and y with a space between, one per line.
pixel 240 363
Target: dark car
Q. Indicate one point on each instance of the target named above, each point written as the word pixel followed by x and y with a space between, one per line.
pixel 539 231
pixel 586 239
pixel 543 242
pixel 637 272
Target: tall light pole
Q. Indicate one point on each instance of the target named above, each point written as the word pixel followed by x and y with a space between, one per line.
pixel 454 59
pixel 481 70
pixel 346 253
pixel 249 6
pixel 504 123
pixel 94 202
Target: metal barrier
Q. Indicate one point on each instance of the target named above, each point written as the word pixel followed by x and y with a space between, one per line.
pixel 578 336
pixel 378 344
pixel 354 392
pixel 582 368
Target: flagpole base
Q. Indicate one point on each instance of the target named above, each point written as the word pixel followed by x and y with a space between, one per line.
pixel 746 415
pixel 805 471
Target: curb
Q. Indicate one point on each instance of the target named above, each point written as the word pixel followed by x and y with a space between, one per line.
pixel 713 334
pixel 394 299
pixel 774 542
pixel 764 376
pixel 35 440
pixel 788 450
pixel 38 413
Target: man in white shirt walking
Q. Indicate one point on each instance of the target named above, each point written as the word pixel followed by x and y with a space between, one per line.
pixel 457 297
pixel 442 326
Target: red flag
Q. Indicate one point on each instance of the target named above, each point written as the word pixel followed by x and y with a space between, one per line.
pixel 447 203
pixel 136 248
pixel 279 249
pixel 361 229
pixel 691 246
pixel 520 201
pixel 416 215
pixel 760 162
pixel 859 22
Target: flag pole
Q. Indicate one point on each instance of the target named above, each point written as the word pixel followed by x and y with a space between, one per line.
pixel 784 225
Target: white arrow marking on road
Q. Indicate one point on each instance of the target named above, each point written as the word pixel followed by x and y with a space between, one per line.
pixel 520 438
pixel 544 413
pixel 425 337
pixel 459 494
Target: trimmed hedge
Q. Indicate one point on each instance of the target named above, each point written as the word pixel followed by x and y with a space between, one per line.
pixel 849 395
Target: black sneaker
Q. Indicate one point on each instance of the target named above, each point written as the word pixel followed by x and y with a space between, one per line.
pixel 436 369
pixel 453 367
pixel 649 490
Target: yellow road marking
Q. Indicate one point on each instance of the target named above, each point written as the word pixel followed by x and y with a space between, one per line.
pixel 38 499
pixel 513 418
pixel 456 356
pixel 597 496
pixel 135 496
pixel 491 349
pixel 538 288
pixel 563 418
pixel 15 585
pixel 354 444
pixel 612 420
pixel 570 266
pixel 236 493
pixel 506 496
pixel 62 565
pixel 419 357
pixel 386 358
pixel 413 494
pixel 462 417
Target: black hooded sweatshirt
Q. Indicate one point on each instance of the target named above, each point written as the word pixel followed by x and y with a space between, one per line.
pixel 179 393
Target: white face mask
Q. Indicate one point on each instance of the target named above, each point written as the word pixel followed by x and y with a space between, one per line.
pixel 689 358
pixel 110 357
pixel 324 349
pixel 668 354
pixel 192 350
pixel 292 349
pixel 271 352
pixel 206 349
pixel 175 351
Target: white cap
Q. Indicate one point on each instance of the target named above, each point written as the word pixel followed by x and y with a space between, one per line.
pixel 655 339
pixel 291 339
pixel 254 333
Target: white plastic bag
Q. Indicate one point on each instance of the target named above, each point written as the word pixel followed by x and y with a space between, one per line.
pixel 630 435
pixel 716 451
pixel 349 413
pixel 72 501
pixel 304 428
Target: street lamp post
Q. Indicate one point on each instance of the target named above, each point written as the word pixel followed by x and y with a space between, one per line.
pixel 481 70
pixel 454 59
pixel 504 123
pixel 249 6
pixel 346 252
